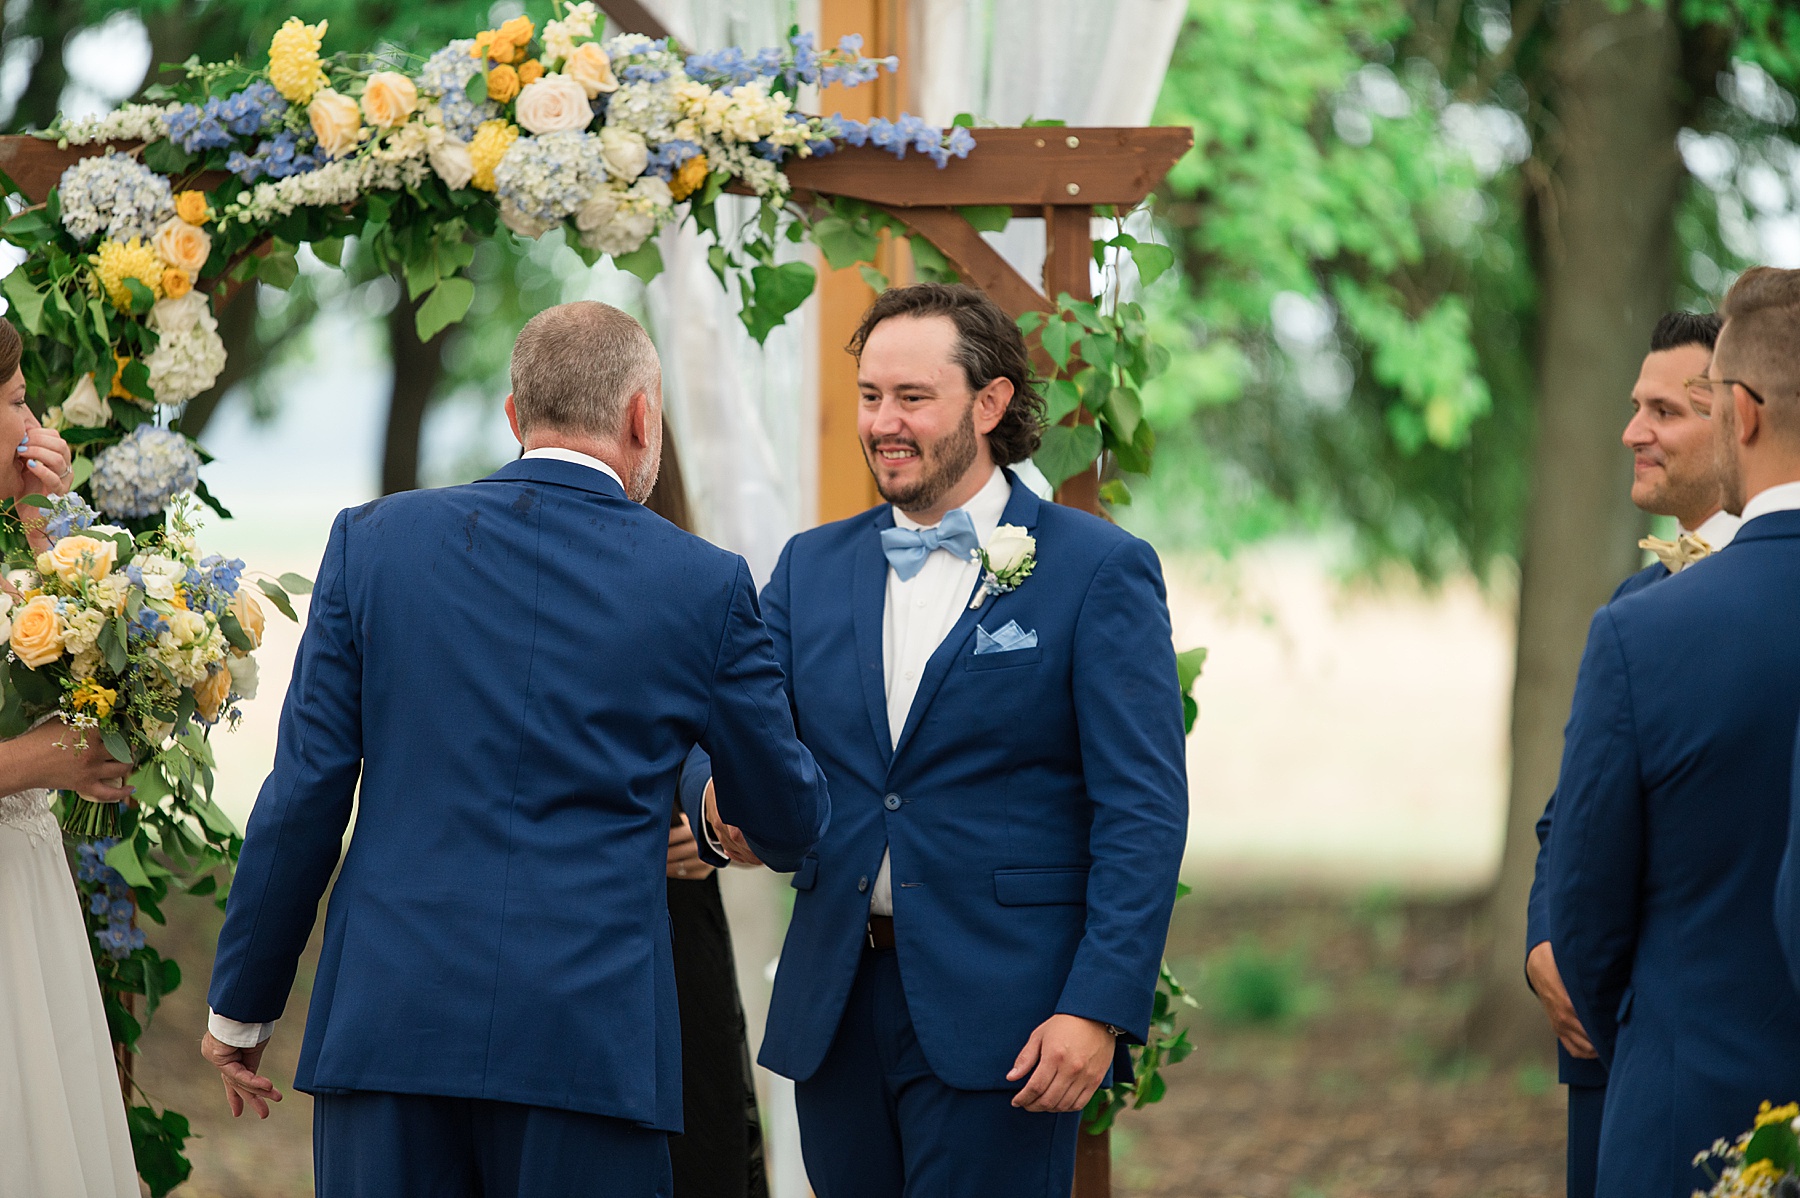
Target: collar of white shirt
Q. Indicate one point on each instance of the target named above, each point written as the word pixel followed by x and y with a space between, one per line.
pixel 1717 529
pixel 1783 497
pixel 555 453
pixel 985 509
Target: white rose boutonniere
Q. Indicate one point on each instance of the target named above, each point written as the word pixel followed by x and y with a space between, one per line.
pixel 1006 561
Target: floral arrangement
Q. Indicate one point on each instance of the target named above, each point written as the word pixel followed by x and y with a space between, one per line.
pixel 1763 1161
pixel 218 179
pixel 138 640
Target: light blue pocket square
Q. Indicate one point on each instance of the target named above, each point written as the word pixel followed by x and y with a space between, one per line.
pixel 1006 640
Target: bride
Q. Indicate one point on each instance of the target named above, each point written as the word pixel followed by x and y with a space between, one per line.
pixel 62 1121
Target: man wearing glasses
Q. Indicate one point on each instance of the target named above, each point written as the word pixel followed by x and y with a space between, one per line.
pixel 1672 805
pixel 1675 473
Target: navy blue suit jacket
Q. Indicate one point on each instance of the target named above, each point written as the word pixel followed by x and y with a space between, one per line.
pixel 1672 814
pixel 1035 806
pixel 516 669
pixel 1571 1071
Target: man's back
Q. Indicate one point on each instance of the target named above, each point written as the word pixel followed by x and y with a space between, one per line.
pixel 521 664
pixel 1671 812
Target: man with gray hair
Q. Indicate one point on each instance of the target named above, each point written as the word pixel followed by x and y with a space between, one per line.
pixel 516 670
pixel 1672 807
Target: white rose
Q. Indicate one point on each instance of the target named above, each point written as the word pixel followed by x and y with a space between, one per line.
pixel 522 223
pixel 157 731
pixel 612 226
pixel 6 607
pixel 243 676
pixel 1008 548
pixel 450 159
pixel 652 190
pixel 187 627
pixel 625 153
pixel 588 65
pixel 176 316
pixel 553 104
pixel 84 405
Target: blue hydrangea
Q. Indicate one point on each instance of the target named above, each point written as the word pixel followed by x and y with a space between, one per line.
pixel 138 476
pixel 668 157
pixel 112 194
pixel 549 177
pixel 445 77
pixel 66 514
pixel 277 157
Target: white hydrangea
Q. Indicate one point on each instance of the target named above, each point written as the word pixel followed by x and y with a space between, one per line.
pixel 650 109
pixel 82 628
pixel 189 353
pixel 133 122
pixel 617 220
pixel 546 178
pixel 112 194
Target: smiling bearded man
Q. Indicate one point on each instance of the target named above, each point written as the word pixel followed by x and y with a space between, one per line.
pixel 976 940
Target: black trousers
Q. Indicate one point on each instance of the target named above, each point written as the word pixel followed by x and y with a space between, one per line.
pixel 721 1153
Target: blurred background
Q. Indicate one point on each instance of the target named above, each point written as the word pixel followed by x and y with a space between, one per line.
pixel 1420 245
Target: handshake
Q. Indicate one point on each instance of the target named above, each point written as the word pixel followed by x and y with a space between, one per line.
pixel 724 837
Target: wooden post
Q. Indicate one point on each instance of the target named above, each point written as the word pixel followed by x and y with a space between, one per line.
pixel 1068 259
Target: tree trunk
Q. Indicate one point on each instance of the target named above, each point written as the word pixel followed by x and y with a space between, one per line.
pixel 418 368
pixel 243 357
pixel 1606 266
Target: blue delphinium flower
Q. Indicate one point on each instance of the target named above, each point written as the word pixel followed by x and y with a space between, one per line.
pixel 98 903
pixel 195 128
pixel 668 157
pixel 113 902
pixel 252 110
pixel 66 514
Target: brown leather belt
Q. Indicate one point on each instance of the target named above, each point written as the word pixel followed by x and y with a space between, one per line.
pixel 881 931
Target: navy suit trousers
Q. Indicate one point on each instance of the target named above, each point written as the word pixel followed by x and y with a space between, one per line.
pixel 875 1122
pixel 374 1145
pixel 1585 1105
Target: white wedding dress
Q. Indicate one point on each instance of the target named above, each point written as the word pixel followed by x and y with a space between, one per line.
pixel 62 1121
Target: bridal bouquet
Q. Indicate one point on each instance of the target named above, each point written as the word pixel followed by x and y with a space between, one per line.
pixel 1763 1161
pixel 140 641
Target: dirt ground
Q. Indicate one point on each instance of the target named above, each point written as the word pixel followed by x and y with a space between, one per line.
pixel 1321 1069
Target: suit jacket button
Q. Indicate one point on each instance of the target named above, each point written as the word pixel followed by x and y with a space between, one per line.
pixel 862 883
pixel 892 802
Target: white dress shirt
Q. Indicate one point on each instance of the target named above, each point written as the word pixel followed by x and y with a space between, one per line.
pixel 249 1035
pixel 1782 497
pixel 919 613
pixel 1718 529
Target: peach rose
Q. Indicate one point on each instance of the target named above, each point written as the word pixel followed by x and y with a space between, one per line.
pixel 211 692
pixel 182 245
pixel 37 632
pixel 76 557
pixel 389 99
pixel 335 122
pixel 554 104
pixel 590 67
pixel 249 615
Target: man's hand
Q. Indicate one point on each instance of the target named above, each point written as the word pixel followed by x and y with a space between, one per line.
pixel 1546 979
pixel 684 854
pixel 736 847
pixel 1067 1056
pixel 237 1069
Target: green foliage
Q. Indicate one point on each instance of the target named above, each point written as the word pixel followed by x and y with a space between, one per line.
pixel 156 1143
pixel 1167 1045
pixel 1188 665
pixel 1247 984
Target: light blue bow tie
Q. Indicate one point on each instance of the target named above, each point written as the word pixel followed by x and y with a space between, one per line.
pixel 907 548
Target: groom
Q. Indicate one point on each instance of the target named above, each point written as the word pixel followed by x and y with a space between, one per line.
pixel 515 670
pixel 977 939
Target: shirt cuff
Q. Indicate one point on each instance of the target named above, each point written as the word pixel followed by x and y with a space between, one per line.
pixel 712 840
pixel 237 1035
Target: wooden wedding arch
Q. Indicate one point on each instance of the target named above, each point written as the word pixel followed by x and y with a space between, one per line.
pixel 1056 174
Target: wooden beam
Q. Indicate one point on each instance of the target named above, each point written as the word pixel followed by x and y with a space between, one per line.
pixel 1076 167
pixel 632 17
pixel 979 263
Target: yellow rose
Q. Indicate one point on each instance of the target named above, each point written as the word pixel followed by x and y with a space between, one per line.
pixel 182 245
pixel 530 72
pixel 503 84
pixel 37 632
pixel 249 615
pixel 211 692
pixel 518 31
pixel 175 283
pixel 690 178
pixel 335 122
pixel 191 207
pixel 389 99
pixel 590 67
pixel 76 557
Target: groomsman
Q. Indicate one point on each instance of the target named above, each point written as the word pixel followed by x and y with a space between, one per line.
pixel 1675 473
pixel 1672 807
pixel 976 941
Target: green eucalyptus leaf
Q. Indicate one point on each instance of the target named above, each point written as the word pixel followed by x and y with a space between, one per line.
pixel 278 597
pixel 296 584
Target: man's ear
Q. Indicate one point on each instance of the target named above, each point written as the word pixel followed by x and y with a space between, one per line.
pixel 991 404
pixel 512 418
pixel 1749 415
pixel 638 418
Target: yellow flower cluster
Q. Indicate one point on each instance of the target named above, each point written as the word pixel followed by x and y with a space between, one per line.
pixel 505 44
pixel 91 696
pixel 689 178
pixel 294 60
pixel 492 140
pixel 121 361
pixel 1769 1113
pixel 117 261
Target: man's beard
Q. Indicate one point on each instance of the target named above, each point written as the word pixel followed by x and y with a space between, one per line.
pixel 1677 496
pixel 1731 478
pixel 946 460
pixel 643 478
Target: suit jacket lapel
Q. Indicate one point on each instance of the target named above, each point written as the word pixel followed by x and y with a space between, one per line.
pixel 868 605
pixel 1022 510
